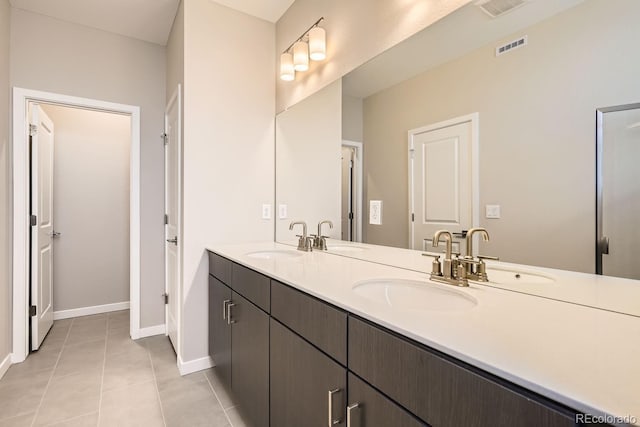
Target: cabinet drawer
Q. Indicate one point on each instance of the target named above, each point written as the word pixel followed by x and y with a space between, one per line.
pixel 374 409
pixel 252 285
pixel 220 268
pixel 318 322
pixel 439 391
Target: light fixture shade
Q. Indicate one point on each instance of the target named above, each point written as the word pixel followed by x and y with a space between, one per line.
pixel 301 56
pixel 317 44
pixel 287 72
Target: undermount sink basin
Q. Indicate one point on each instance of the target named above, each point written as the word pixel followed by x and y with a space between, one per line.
pixel 414 295
pixel 517 277
pixel 275 254
pixel 346 248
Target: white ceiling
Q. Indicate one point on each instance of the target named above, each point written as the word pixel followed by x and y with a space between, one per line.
pixel 148 20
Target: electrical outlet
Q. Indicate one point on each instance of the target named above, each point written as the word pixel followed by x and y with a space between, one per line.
pixel 282 211
pixel 492 211
pixel 266 211
pixel 375 212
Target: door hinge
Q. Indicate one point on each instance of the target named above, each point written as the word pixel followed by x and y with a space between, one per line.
pixel 166 298
pixel 33 129
pixel 33 310
pixel 166 219
pixel 34 220
pixel 413 217
pixel 350 215
pixel 412 153
pixel 165 138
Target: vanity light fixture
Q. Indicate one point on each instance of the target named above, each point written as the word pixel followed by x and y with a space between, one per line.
pixel 310 45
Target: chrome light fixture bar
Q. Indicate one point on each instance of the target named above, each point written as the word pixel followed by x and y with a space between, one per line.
pixel 311 44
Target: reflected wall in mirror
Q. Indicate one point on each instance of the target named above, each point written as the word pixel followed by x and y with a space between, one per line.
pixel 535 108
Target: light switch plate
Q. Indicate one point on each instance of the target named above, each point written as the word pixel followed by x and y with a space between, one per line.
pixel 492 211
pixel 375 212
pixel 266 211
pixel 282 211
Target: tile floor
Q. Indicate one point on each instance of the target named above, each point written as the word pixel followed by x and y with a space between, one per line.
pixel 88 372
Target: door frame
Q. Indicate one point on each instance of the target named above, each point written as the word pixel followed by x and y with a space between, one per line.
pixel 176 97
pixel 601 245
pixel 21 203
pixel 474 118
pixel 358 147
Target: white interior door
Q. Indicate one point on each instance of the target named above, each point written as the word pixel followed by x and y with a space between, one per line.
pixel 172 219
pixel 42 140
pixel 441 182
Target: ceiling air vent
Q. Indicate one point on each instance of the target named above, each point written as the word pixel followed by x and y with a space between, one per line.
pixel 495 8
pixel 508 47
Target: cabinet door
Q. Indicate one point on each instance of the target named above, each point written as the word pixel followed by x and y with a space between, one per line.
pixel 369 408
pixel 250 360
pixel 219 330
pixel 303 382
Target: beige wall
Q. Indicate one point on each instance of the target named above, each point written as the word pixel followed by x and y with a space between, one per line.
pixel 228 145
pixel 55 56
pixel 90 207
pixel 357 30
pixel 5 186
pixel 308 158
pixel 537 130
pixel 175 53
pixel 352 110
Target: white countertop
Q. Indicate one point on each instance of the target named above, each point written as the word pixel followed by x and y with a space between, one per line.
pixel 585 358
pixel 605 292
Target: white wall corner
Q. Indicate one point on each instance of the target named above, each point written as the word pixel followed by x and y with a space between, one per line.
pixel 4 365
pixel 195 365
pixel 149 331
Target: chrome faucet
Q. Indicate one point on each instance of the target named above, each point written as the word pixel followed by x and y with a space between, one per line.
pixel 320 241
pixel 305 243
pixel 476 269
pixel 451 271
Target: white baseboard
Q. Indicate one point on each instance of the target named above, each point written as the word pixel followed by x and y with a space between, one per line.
pixel 194 365
pixel 87 311
pixel 150 331
pixel 4 365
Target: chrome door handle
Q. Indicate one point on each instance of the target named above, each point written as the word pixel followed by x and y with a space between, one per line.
pixel 350 409
pixel 55 234
pixel 174 240
pixel 224 308
pixel 229 320
pixel 332 421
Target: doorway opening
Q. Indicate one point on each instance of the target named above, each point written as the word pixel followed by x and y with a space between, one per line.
pixel 351 182
pixel 31 108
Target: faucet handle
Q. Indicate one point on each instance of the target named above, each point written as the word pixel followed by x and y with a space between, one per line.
pixel 491 258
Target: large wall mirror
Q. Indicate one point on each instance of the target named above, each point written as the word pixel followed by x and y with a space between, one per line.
pixel 475 121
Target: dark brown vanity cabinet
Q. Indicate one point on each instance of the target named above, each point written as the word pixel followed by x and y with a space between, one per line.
pixel 307 387
pixel 440 391
pixel 239 335
pixel 294 360
pixel 308 358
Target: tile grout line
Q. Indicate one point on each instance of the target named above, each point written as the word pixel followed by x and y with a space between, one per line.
pixel 104 365
pixel 218 399
pixel 75 417
pixel 46 388
pixel 155 382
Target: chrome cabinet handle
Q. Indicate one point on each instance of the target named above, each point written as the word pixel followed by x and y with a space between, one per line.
pixel 350 409
pixel 332 421
pixel 224 308
pixel 229 320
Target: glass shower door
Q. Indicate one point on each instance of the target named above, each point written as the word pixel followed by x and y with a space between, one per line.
pixel 618 185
